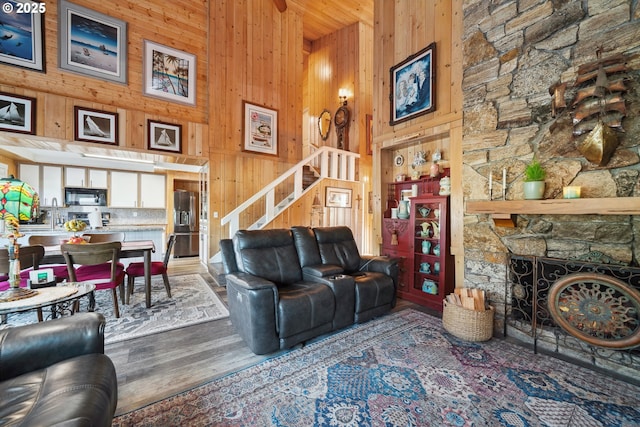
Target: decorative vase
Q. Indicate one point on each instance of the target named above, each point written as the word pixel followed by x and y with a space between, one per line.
pixel 436 250
pixel 403 209
pixel 534 190
pixel 426 246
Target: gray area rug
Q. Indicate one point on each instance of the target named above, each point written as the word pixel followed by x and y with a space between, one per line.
pixel 192 301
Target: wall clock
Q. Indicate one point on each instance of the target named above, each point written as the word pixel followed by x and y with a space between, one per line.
pixel 398 160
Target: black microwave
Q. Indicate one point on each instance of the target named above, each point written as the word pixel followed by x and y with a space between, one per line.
pixel 85 196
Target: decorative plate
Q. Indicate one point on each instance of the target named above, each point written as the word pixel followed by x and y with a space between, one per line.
pixel 398 160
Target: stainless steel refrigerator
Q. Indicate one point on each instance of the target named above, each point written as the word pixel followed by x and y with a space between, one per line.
pixel 185 223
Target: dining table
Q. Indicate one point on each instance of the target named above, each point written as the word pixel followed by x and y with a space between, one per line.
pixel 129 249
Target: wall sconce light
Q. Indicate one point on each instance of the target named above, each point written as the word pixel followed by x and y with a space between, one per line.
pixel 343 94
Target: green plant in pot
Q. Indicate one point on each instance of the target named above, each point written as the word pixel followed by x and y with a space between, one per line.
pixel 534 175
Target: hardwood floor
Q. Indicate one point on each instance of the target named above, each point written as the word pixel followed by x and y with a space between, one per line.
pixel 158 366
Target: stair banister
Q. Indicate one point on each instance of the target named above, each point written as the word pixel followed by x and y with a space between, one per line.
pixel 333 163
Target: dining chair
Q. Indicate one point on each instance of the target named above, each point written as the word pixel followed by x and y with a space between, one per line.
pixel 96 263
pixel 136 269
pixel 117 236
pixel 59 270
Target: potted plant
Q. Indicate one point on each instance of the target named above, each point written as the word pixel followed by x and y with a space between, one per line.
pixel 534 175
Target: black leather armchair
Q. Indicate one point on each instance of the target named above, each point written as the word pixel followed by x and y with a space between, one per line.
pixel 270 304
pixel 336 252
pixel 56 373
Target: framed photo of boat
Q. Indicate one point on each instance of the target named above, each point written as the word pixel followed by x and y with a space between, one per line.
pixel 92 43
pixel 413 86
pixel 95 126
pixel 17 113
pixel 169 73
pixel 164 136
pixel 260 129
pixel 21 35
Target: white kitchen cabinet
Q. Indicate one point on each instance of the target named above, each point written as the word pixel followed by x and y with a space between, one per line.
pixel 31 175
pixel 152 191
pixel 83 177
pixel 51 185
pixel 123 189
pixel 75 177
pixel 98 178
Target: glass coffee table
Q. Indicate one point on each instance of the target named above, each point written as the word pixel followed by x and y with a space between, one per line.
pixel 62 299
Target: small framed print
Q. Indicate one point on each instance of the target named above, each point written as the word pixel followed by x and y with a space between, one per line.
pixel 96 126
pixel 338 197
pixel 22 41
pixel 413 86
pixel 92 43
pixel 260 129
pixel 17 113
pixel 164 136
pixel 169 73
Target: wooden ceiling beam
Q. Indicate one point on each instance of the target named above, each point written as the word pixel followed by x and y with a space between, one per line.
pixel 281 5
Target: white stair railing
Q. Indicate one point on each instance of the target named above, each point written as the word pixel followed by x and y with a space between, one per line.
pixel 328 162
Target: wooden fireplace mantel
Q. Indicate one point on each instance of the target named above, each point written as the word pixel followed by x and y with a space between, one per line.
pixel 503 211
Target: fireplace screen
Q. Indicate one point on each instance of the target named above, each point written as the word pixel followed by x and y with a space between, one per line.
pixel 587 307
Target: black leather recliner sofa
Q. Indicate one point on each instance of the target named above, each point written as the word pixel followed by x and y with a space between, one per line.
pixel 56 373
pixel 281 293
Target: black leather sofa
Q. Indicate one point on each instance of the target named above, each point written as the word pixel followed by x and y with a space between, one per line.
pixel 281 292
pixel 56 373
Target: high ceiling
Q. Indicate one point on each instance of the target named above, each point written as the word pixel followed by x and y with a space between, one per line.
pixel 323 17
pixel 320 18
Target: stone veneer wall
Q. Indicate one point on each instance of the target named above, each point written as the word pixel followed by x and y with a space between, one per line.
pixel 514 51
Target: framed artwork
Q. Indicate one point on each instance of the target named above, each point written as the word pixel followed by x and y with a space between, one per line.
pixel 169 73
pixel 22 41
pixel 337 197
pixel 95 126
pixel 92 43
pixel 369 120
pixel 260 129
pixel 412 86
pixel 17 113
pixel 164 136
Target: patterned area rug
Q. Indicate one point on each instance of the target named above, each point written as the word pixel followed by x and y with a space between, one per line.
pixel 401 370
pixel 192 301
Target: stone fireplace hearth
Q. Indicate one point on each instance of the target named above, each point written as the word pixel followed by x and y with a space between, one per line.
pixel 515 52
pixel 602 320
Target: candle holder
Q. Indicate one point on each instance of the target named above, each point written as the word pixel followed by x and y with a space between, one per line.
pixel 571 192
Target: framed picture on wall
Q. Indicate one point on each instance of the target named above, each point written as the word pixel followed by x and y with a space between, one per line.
pixel 337 197
pixel 22 32
pixel 260 129
pixel 92 43
pixel 95 126
pixel 169 73
pixel 17 113
pixel 164 136
pixel 412 86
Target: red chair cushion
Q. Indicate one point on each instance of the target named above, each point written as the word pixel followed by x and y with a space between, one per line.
pixel 137 268
pixel 4 285
pixel 100 275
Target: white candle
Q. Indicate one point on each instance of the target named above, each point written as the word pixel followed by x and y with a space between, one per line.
pixel 504 183
pixel 490 183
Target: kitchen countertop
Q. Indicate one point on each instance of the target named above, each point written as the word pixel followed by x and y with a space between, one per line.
pixel 46 228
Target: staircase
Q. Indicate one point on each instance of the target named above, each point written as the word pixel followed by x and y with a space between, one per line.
pixel 264 206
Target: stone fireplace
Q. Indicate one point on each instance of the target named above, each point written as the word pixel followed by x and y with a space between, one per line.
pixel 515 54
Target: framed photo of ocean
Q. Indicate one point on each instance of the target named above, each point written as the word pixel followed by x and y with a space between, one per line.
pixel 21 40
pixel 92 43
pixel 17 113
pixel 169 73
pixel 95 126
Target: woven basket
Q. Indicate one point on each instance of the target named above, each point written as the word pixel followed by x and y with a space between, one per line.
pixel 468 325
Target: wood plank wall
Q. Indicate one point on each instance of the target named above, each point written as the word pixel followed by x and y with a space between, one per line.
pixel 401 29
pixel 184 27
pixel 256 56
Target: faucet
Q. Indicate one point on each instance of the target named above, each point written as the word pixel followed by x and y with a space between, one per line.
pixel 54 212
